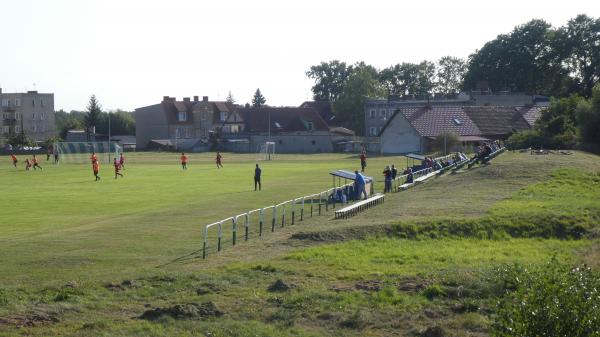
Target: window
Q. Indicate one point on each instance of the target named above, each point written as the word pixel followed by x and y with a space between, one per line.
pixel 17 129
pixel 5 129
pixel 43 116
pixel 35 129
pixel 18 116
pixel 33 116
pixel 17 102
pixel 177 133
pixel 382 112
pixel 373 131
pixel 372 113
pixel 182 116
pixel 223 116
pixel 188 132
pixel 313 142
pixel 5 115
pixel 33 102
pixel 310 126
pixel 41 102
pixel 5 102
pixel 457 121
pixel 280 142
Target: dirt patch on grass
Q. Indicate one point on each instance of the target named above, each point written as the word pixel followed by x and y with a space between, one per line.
pixel 30 320
pixel 279 286
pixel 344 234
pixel 412 284
pixel 370 285
pixel 184 311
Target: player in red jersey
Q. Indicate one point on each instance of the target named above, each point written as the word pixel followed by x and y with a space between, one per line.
pixel 36 165
pixel 96 169
pixel 27 164
pixel 122 161
pixel 117 168
pixel 184 159
pixel 14 160
pixel 219 158
pixel 94 158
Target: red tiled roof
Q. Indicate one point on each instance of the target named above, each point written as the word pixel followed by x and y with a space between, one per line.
pixel 434 120
pixel 325 109
pixel 282 119
pixel 531 113
pixel 496 120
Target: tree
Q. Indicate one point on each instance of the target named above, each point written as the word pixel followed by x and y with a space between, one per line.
pixel 330 78
pixel 258 99
pixel 121 123
pixel 523 60
pixel 588 118
pixel 94 109
pixel 349 106
pixel 446 142
pixel 230 98
pixel 66 121
pixel 450 73
pixel 409 78
pixel 579 45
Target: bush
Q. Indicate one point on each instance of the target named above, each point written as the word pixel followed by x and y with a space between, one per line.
pixel 554 300
pixel 433 291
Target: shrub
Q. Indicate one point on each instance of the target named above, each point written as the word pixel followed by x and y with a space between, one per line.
pixel 433 291
pixel 554 300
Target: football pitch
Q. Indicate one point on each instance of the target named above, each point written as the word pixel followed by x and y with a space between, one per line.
pixel 58 224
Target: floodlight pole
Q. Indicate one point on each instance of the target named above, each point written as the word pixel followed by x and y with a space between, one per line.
pixel 269 133
pixel 109 138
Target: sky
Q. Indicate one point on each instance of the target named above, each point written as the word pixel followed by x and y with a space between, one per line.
pixel 131 53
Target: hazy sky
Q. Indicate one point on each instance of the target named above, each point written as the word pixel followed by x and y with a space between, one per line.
pixel 131 53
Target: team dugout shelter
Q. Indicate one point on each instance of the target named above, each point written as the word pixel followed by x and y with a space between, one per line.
pixel 345 191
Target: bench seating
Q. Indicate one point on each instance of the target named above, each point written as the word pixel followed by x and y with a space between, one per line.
pixel 351 210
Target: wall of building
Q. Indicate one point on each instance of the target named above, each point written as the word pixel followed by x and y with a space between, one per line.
pixel 296 142
pixel 400 137
pixel 32 111
pixel 150 123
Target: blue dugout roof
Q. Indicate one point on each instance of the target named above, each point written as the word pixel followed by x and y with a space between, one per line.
pixel 348 175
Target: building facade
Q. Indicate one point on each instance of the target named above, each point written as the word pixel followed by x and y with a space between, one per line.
pixel 30 113
pixel 378 111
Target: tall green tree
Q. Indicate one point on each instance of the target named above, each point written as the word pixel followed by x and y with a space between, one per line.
pixel 258 100
pixel 94 109
pixel 230 98
pixel 409 78
pixel 330 78
pixel 349 107
pixel 523 60
pixel 450 72
pixel 588 117
pixel 578 44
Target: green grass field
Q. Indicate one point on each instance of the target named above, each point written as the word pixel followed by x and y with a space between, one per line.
pixel 85 258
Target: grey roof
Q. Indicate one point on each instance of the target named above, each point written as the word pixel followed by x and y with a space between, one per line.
pixel 496 120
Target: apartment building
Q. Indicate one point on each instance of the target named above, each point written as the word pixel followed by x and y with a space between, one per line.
pixel 30 113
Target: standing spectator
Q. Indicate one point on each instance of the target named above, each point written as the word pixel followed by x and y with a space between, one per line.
pixel 387 172
pixel 219 158
pixel 394 172
pixel 257 173
pixel 184 159
pixel 363 161
pixel 359 184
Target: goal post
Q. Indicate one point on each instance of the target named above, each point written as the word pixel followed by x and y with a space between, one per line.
pixel 80 152
pixel 266 151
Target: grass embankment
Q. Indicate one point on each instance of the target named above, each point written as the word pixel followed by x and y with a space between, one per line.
pixel 419 276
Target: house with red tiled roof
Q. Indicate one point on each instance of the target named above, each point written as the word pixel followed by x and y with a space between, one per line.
pixel 411 129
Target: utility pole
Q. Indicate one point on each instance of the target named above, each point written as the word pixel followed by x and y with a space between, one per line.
pixel 109 138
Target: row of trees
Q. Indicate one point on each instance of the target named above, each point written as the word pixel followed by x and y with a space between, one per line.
pixel 537 58
pixel 533 58
pixel 347 86
pixel 121 122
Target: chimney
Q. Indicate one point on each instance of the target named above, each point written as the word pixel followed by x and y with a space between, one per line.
pixel 204 98
pixel 186 99
pixel 0 90
pixel 195 97
pixel 165 98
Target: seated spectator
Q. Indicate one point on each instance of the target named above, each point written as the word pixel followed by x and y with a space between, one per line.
pixel 409 177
